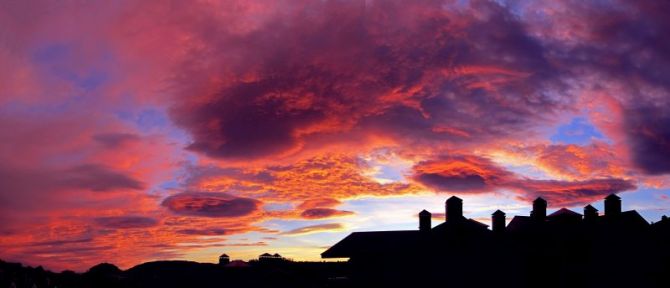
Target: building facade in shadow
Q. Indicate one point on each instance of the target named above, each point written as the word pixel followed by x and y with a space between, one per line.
pixel 561 249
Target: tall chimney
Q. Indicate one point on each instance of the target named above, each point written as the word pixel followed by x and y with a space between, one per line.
pixel 539 209
pixel 612 205
pixel 424 221
pixel 454 208
pixel 498 221
pixel 590 213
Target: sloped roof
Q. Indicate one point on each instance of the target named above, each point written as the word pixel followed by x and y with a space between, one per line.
pixel 223 255
pixel 378 242
pixel 519 223
pixel 498 212
pixel 424 212
pixel 627 218
pixel 266 255
pixel 462 226
pixel 589 207
pixel 563 212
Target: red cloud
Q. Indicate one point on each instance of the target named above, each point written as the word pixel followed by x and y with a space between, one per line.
pixel 210 204
pixel 126 222
pixel 461 173
pixel 320 213
pixel 319 202
pixel 394 80
pixel 315 229
pixel 472 174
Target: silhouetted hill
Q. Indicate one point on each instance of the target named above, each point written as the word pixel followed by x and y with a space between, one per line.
pixel 180 274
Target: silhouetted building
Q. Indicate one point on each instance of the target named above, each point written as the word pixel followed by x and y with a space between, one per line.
pixel 590 213
pixel 498 221
pixel 615 250
pixel 270 258
pixel 612 205
pixel 454 208
pixel 539 212
pixel 224 259
pixel 425 221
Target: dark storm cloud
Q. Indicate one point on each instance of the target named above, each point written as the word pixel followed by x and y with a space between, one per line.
pixel 210 204
pixel 622 48
pixel 648 131
pixel 126 222
pixel 434 70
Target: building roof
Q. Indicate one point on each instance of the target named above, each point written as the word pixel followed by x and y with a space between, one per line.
pixel 590 208
pixel 266 255
pixel 424 212
pixel 370 243
pixel 223 255
pixel 564 212
pixel 519 223
pixel 454 198
pixel 540 200
pixel 498 212
pixel 612 197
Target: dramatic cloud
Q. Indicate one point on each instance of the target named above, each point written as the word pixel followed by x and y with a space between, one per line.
pixel 297 108
pixel 98 178
pixel 210 204
pixel 126 222
pixel 319 202
pixel 461 173
pixel 329 227
pixel 401 80
pixel 472 174
pixel 570 193
pixel 319 213
pixel 649 134
pixel 206 232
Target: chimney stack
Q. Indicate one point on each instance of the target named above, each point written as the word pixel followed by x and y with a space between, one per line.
pixel 590 213
pixel 424 221
pixel 498 221
pixel 454 208
pixel 539 209
pixel 612 205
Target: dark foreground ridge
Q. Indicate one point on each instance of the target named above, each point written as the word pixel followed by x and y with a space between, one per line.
pixel 181 274
pixel 562 249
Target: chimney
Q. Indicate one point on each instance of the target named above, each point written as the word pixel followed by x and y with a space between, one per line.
pixel 590 213
pixel 454 208
pixel 498 221
pixel 612 205
pixel 424 221
pixel 539 209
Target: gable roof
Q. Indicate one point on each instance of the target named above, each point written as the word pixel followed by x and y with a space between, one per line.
pixel 519 223
pixel 378 242
pixel 564 212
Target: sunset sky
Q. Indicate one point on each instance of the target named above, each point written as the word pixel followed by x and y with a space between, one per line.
pixel 133 131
